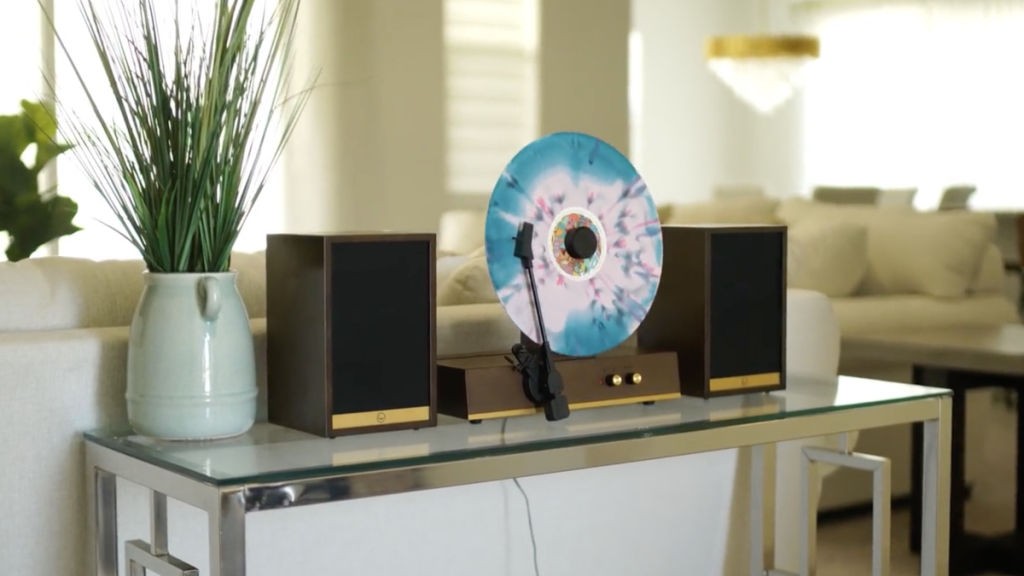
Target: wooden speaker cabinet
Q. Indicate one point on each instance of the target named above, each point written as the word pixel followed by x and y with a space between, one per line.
pixel 351 332
pixel 721 307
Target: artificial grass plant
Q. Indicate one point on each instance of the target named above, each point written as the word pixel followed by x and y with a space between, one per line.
pixel 198 116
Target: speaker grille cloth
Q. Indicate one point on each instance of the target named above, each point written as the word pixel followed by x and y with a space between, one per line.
pixel 380 325
pixel 746 294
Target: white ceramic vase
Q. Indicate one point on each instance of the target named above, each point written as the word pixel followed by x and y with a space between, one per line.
pixel 191 365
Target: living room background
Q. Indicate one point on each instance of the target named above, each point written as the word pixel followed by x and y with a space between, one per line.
pixel 419 101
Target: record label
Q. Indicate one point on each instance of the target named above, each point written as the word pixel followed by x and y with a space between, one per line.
pixel 597 243
pixel 576 269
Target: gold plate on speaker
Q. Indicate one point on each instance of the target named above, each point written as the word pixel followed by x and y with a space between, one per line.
pixel 380 417
pixel 743 382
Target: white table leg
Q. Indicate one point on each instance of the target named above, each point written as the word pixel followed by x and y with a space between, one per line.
pixel 881 500
pixel 935 492
pixel 762 509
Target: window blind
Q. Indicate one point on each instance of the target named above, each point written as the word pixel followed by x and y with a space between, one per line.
pixel 491 83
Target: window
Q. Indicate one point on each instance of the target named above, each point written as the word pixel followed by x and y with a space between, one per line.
pixel 20 62
pixel 491 76
pixel 924 94
pixel 24 31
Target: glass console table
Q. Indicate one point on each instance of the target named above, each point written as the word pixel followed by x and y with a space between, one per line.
pixel 272 467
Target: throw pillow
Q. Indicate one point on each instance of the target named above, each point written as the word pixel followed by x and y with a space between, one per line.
pixel 991 274
pixel 831 258
pixel 934 254
pixel 470 283
pixel 446 266
pixel 931 253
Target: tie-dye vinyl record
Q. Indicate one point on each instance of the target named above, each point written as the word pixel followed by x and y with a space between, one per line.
pixel 557 183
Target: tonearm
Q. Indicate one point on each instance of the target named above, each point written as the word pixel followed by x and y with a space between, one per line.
pixel 541 381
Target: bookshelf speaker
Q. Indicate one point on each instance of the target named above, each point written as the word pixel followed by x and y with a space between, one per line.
pixel 721 307
pixel 351 332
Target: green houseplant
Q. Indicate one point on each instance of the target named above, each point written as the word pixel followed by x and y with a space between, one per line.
pixel 197 115
pixel 30 217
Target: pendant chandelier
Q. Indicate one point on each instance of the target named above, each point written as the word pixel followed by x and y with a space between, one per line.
pixel 763 70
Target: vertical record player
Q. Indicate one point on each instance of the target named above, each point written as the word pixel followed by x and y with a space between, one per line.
pixel 574 251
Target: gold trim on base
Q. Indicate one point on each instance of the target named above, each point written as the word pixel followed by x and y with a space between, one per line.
pixel 742 382
pixel 380 417
pixel 575 406
pixel 744 46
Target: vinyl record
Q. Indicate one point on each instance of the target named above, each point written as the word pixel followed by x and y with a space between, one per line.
pixel 592 298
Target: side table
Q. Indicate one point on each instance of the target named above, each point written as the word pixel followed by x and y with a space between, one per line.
pixel 960 359
pixel 231 478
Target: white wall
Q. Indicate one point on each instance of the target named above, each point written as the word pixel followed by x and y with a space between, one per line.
pixel 694 133
pixel 584 69
pixel 369 151
pixel 369 155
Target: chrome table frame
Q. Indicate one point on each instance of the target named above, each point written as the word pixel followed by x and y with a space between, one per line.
pixel 226 506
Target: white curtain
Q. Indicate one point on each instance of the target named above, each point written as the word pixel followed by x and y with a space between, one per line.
pixel 491 82
pixel 917 93
pixel 22 32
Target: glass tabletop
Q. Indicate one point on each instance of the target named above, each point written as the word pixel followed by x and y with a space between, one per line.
pixel 271 453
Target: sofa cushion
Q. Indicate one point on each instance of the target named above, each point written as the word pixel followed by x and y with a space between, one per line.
pixel 875 314
pixel 446 266
pixel 746 210
pixel 992 274
pixel 935 254
pixel 831 258
pixel 56 293
pixel 461 231
pixel 474 329
pixel 470 283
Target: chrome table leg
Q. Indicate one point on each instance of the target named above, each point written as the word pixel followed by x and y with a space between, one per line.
pixel 139 560
pixel 103 510
pixel 141 557
pixel 158 523
pixel 227 535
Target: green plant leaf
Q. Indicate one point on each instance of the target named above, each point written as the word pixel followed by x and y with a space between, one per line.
pixel 46 151
pixel 31 219
pixel 37 222
pixel 44 121
pixel 16 179
pixel 15 135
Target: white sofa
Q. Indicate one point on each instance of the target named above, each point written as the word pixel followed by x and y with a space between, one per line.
pixel 62 369
pixel 886 268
